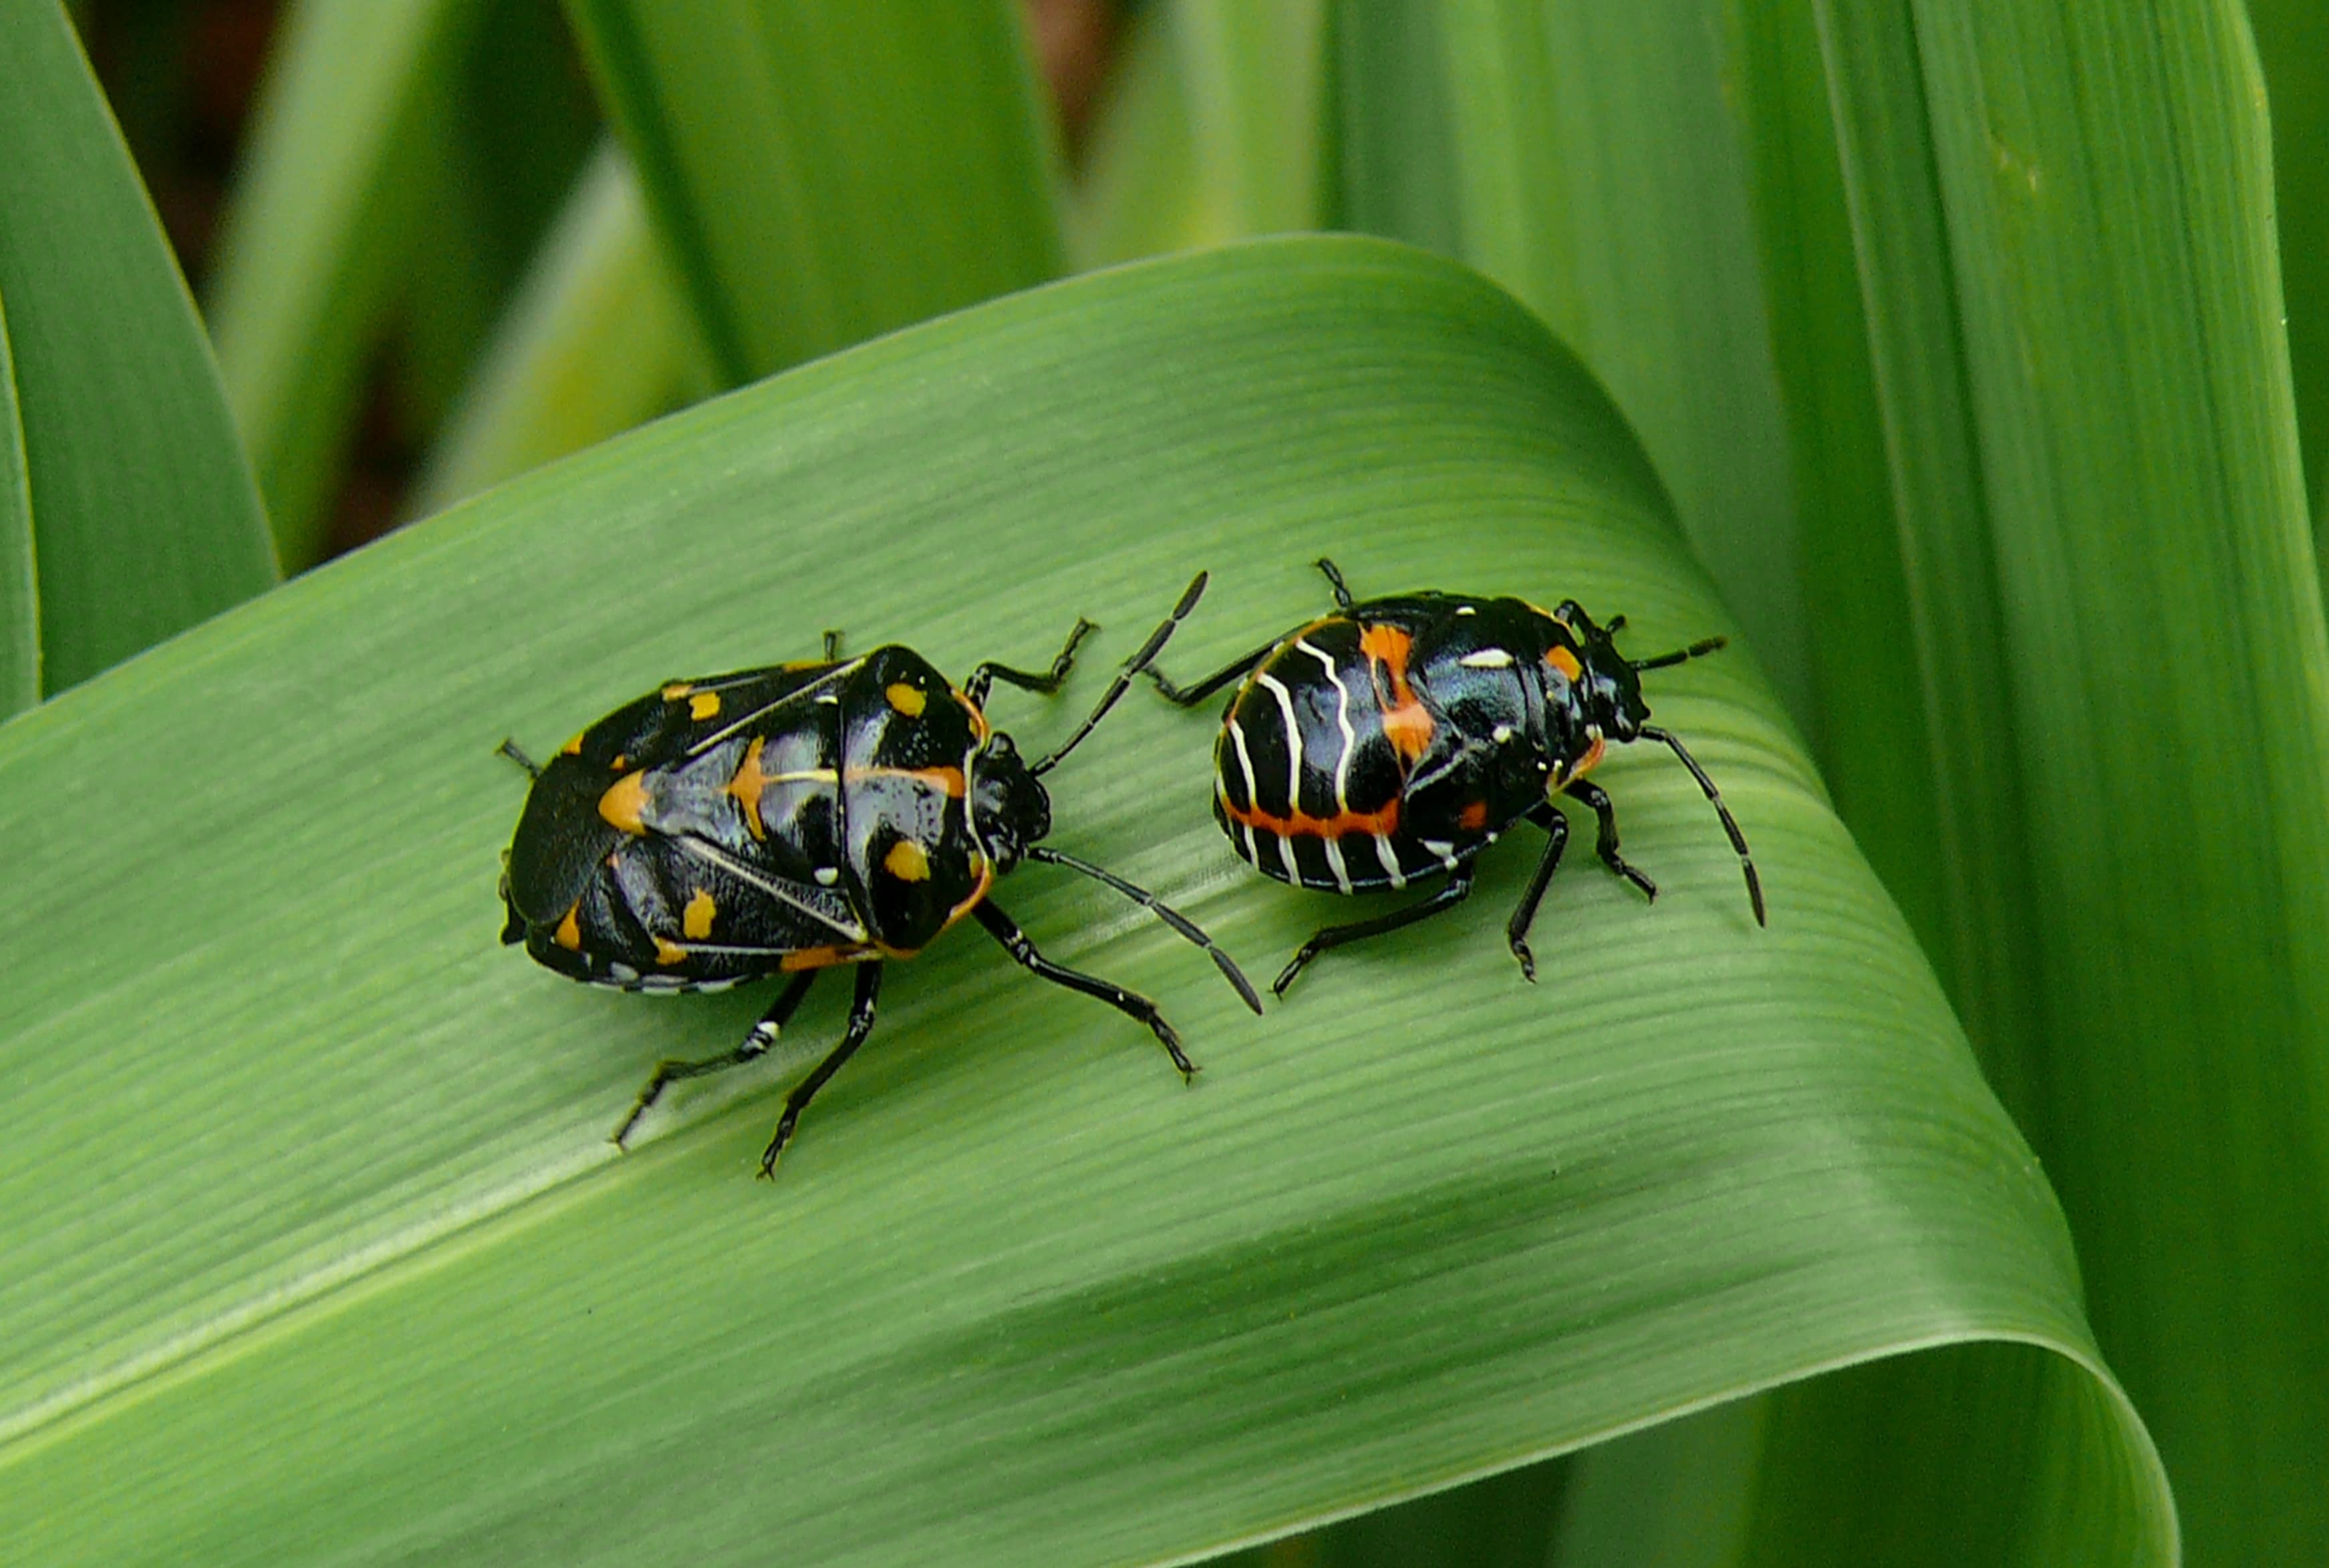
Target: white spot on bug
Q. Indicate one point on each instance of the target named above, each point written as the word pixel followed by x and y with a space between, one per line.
pixel 1466 610
pixel 1487 659
pixel 624 973
pixel 826 876
pixel 1501 734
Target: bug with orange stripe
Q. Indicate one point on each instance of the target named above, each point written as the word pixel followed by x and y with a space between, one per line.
pixel 1395 739
pixel 786 819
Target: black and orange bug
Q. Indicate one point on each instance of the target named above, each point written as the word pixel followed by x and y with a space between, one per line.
pixel 1397 738
pixel 781 820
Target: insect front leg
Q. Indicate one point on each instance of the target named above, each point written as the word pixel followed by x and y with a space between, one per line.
pixel 1047 682
pixel 1451 892
pixel 1131 1003
pixel 756 1045
pixel 860 1024
pixel 1605 841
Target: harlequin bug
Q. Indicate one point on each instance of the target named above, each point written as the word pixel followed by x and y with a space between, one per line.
pixel 789 819
pixel 1397 738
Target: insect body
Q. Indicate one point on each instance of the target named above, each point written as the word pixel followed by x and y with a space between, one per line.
pixel 786 820
pixel 1395 739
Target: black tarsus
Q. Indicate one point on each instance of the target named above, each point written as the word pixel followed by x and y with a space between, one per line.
pixel 1448 895
pixel 860 1024
pixel 1131 1003
pixel 509 749
pixel 1162 910
pixel 1730 823
pixel 1342 599
pixel 1123 676
pixel 756 1045
pixel 982 679
pixel 832 644
pixel 1545 816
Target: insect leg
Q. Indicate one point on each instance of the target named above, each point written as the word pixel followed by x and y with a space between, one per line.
pixel 508 748
pixel 1605 842
pixel 860 1024
pixel 985 675
pixel 831 645
pixel 1556 826
pixel 1450 894
pixel 756 1045
pixel 1342 599
pixel 1132 1004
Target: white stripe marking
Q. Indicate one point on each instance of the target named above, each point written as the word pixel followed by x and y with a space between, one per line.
pixel 1293 740
pixel 1285 859
pixel 1487 659
pixel 1245 762
pixel 1390 858
pixel 775 887
pixel 1350 735
pixel 1334 863
pixel 795 695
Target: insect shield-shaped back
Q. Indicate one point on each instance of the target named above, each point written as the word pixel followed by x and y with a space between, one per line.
pixel 1395 739
pixel 786 819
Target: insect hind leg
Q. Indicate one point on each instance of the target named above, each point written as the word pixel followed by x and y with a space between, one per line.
pixel 755 1045
pixel 1450 893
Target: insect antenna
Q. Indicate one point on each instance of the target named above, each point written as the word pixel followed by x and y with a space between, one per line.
pixel 1123 676
pixel 1730 823
pixel 1162 911
pixel 1696 650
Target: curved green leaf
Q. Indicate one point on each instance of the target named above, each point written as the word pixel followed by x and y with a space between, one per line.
pixel 142 507
pixel 20 599
pixel 822 175
pixel 596 341
pixel 316 1246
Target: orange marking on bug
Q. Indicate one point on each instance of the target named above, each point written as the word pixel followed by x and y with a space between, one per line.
pixel 568 935
pixel 667 951
pixel 676 691
pixel 695 920
pixel 1406 725
pixel 747 786
pixel 824 957
pixel 704 705
pixel 908 861
pixel 907 699
pixel 1562 660
pixel 1473 817
pixel 947 781
pixel 625 803
pixel 574 746
pixel 1584 765
pixel 1302 825
pixel 970 902
pixel 978 727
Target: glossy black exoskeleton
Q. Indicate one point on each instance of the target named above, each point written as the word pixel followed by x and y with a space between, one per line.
pixel 784 820
pixel 1396 738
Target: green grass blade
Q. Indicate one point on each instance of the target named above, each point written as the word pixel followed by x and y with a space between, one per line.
pixel 2107 332
pixel 20 590
pixel 142 509
pixel 316 1244
pixel 319 232
pixel 1594 168
pixel 825 174
pixel 596 341
pixel 2292 39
